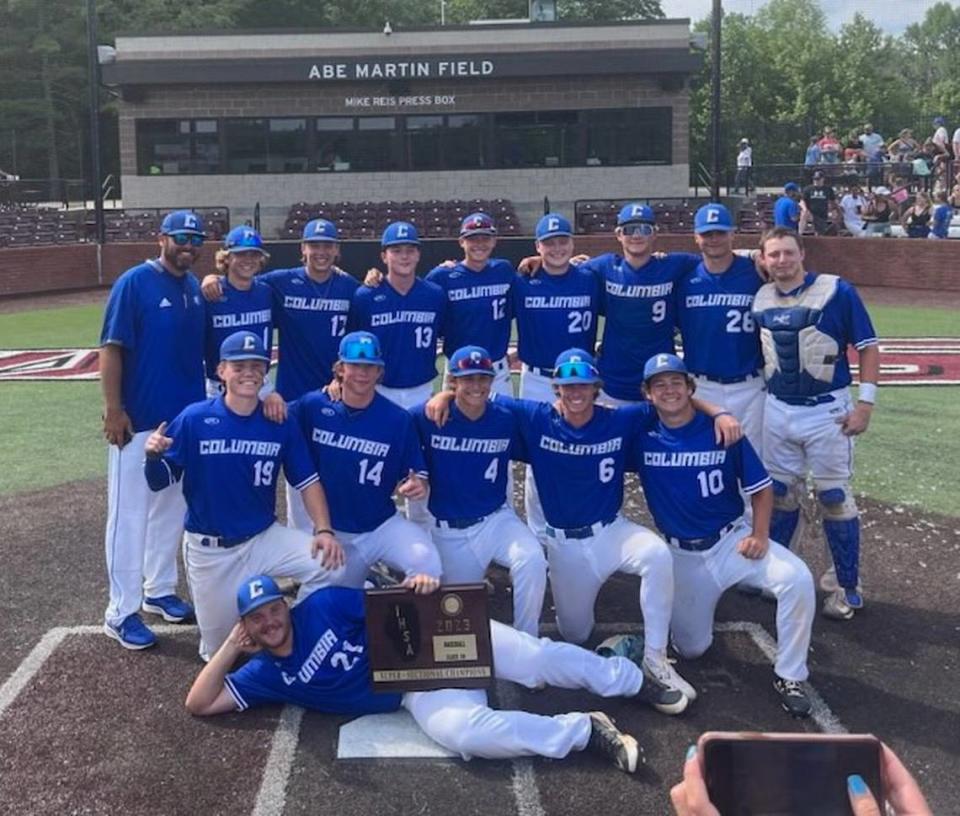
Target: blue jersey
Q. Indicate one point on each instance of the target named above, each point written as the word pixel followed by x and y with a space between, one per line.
pixel 158 320
pixel 638 306
pixel 468 460
pixel 478 306
pixel 691 482
pixel 230 465
pixel 311 317
pixel 361 455
pixel 786 213
pixel 407 327
pixel 807 332
pixel 940 225
pixel 237 310
pixel 720 339
pixel 328 669
pixel 579 471
pixel 556 312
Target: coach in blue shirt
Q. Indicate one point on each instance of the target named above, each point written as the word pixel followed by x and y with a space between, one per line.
pixel 786 210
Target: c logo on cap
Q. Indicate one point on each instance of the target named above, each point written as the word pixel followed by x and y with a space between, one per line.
pixel 661 360
pixel 553 223
pixel 190 221
pixel 402 231
pixel 319 228
pixel 713 216
pixel 255 589
pixel 249 343
pixel 637 210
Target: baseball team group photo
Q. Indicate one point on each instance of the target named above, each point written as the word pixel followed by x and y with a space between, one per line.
pixel 570 473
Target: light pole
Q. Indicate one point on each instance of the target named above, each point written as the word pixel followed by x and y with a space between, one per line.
pixel 93 76
pixel 715 22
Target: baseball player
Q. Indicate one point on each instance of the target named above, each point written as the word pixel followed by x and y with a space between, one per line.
pixel 693 489
pixel 468 460
pixel 578 453
pixel 478 296
pixel 556 308
pixel 807 321
pixel 310 308
pixel 151 367
pixel 284 668
pixel 365 448
pixel 228 455
pixel 721 346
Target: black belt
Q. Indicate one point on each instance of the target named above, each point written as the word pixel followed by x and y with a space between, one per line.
pixel 729 380
pixel 701 544
pixel 459 524
pixel 579 532
pixel 821 399
pixel 221 542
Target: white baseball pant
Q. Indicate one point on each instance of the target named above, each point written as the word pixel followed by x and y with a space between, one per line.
pixel 142 533
pixel 501 537
pixel 214 573
pixel 579 567
pixel 397 542
pixel 502 379
pixel 462 721
pixel 538 387
pixel 701 578
pixel 745 400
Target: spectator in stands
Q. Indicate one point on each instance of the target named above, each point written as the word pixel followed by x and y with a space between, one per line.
pixel 879 213
pixel 786 210
pixel 818 203
pixel 873 151
pixel 852 204
pixel 852 149
pixel 954 198
pixel 942 215
pixel 811 159
pixel 902 150
pixel 940 149
pixel 829 147
pixel 916 220
pixel 956 145
pixel 744 164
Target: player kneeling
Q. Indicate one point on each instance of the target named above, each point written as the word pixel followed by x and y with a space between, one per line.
pixel 283 669
pixel 692 486
pixel 229 455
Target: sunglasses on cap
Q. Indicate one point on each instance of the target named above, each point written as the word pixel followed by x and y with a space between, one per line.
pixel 582 370
pixel 646 230
pixel 359 350
pixel 184 238
pixel 472 364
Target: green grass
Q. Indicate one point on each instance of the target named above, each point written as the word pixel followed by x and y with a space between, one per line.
pixel 51 431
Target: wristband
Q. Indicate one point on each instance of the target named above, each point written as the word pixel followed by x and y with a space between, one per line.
pixel 324 531
pixel 867 392
pixel 722 413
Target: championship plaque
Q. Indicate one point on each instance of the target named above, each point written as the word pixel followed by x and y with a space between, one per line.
pixel 426 642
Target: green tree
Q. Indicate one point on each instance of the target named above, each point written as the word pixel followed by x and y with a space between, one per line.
pixel 931 57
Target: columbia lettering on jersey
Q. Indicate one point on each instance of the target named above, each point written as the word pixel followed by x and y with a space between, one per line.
pixel 639 308
pixel 579 471
pixel 250 309
pixel 158 320
pixel 360 455
pixel 556 312
pixel 720 338
pixel 692 484
pixel 311 318
pixel 468 459
pixel 478 305
pixel 407 325
pixel 328 669
pixel 230 465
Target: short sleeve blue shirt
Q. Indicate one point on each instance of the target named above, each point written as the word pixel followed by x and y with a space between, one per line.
pixel 237 310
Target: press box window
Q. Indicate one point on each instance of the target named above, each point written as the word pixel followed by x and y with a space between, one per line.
pixel 177 146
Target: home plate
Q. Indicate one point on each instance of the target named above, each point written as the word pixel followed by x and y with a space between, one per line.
pixel 378 736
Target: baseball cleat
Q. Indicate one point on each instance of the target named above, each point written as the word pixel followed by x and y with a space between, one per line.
pixel 628 646
pixel 132 633
pixel 793 699
pixel 662 669
pixel 841 604
pixel 170 607
pixel 828 581
pixel 663 699
pixel 605 739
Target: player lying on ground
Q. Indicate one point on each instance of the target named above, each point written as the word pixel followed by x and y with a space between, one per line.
pixel 692 486
pixel 228 455
pixel 468 459
pixel 285 669
pixel 578 451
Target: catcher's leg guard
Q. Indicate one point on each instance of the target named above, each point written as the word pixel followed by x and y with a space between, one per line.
pixel 786 513
pixel 841 526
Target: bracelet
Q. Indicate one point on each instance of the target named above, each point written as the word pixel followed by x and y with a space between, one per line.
pixel 867 393
pixel 324 531
pixel 722 413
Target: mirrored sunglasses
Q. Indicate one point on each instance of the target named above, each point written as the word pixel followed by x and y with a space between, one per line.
pixel 582 370
pixel 357 350
pixel 184 238
pixel 646 230
pixel 470 364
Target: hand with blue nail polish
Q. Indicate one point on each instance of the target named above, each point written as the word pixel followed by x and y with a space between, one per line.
pixel 689 797
pixel 902 791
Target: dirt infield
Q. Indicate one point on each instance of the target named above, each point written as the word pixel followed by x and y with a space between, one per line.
pixel 100 730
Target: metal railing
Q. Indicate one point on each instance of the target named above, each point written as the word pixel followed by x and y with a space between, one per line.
pixel 48 192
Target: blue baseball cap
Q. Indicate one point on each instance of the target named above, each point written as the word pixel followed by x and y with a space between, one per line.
pixel 575 366
pixel 400 232
pixel 320 230
pixel 243 239
pixel 478 223
pixel 553 225
pixel 634 212
pixel 791 187
pixel 360 347
pixel 182 221
pixel 663 363
pixel 712 218
pixel 243 345
pixel 470 360
pixel 256 592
